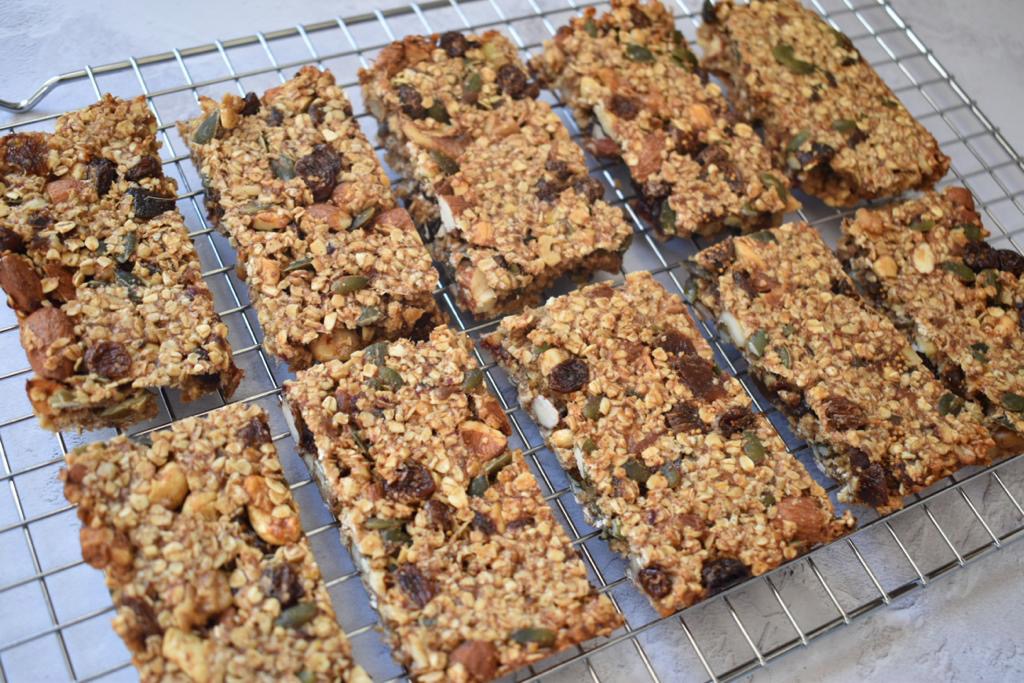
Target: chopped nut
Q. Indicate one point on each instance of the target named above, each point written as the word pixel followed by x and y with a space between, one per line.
pixel 170 487
pixel 923 258
pixel 482 440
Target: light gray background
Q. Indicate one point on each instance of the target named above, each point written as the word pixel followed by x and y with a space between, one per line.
pixel 965 627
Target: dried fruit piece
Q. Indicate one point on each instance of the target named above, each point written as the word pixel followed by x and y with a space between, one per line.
pixel 411 101
pixel 11 241
pixel 684 417
pixel 413 483
pixel 149 205
pixel 655 581
pixel 570 375
pixel 102 171
pixel 319 170
pixel 512 81
pixel 717 575
pixel 108 359
pixel 255 433
pixel 843 414
pixel 147 167
pixel 417 587
pixel 735 420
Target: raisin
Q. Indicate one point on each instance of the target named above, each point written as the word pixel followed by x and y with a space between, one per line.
pixel 255 433
pixel 250 104
pixel 843 414
pixel 655 581
pixel 872 487
pixel 512 81
pixel 411 101
pixel 454 43
pixel 624 107
pixel 717 575
pixel 281 581
pixel 715 155
pixel 589 188
pixel 25 151
pixel 346 402
pixel 569 376
pixel 548 190
pixel 108 359
pixel 640 20
pixel 675 342
pixel 418 588
pixel 819 154
pixel 439 515
pixel 559 168
pixel 142 623
pixel 953 377
pixel 743 280
pixel 147 167
pixel 478 657
pixel 316 113
pixel 413 483
pixel 735 420
pixel 11 241
pixel 19 279
pixel 484 524
pixel 1011 262
pixel 275 117
pixel 148 205
pixel 319 169
pixel 700 375
pixel 979 256
pixel 102 171
pixel 842 286
pixel 707 12
pixel 684 417
pixel 521 523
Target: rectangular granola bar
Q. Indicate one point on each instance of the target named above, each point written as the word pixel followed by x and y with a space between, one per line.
pixel 828 116
pixel 330 262
pixel 98 265
pixel 926 263
pixel 496 180
pixel 667 456
pixel 471 573
pixel 637 91
pixel 202 547
pixel 846 378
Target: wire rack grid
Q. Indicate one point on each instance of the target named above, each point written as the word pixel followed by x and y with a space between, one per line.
pixel 55 620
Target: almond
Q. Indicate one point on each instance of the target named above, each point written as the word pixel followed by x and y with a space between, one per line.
pixel 483 441
pixel 807 515
pixel 20 281
pixel 39 332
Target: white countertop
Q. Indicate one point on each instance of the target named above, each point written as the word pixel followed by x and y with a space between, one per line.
pixel 968 625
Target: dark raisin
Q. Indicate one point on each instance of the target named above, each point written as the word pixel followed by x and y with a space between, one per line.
pixel 979 256
pixel 717 575
pixel 842 286
pixel 819 154
pixel 1011 262
pixel 640 20
pixel 281 581
pixel 275 117
pixel 872 487
pixel 569 375
pixel 108 359
pixel 142 623
pixel 655 581
pixel 484 524
pixel 413 484
pixel 418 588
pixel 319 169
pixel 735 421
pixel 25 151
pixel 707 12
pixel 148 167
pixel 346 402
pixel 700 375
pixel 589 188
pixel 953 376
pixel 512 81
pixel 439 514
pixel 521 523
pixel 148 205
pixel 743 280
pixel 675 342
pixel 548 190
pixel 684 417
pixel 843 414
pixel 250 104
pixel 316 113
pixel 102 171
pixel 11 241
pixel 255 433
pixel 624 107
pixel 411 101
pixel 559 168
pixel 454 43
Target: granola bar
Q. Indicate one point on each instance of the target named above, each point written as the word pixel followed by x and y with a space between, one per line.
pixel 828 116
pixel 496 179
pixel 846 378
pixel 202 547
pixel 330 262
pixel 667 456
pixel 639 94
pixel 98 265
pixel 471 573
pixel 926 263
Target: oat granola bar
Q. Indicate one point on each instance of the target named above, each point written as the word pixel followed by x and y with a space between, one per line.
pixel 331 263
pixel 495 178
pixel 471 573
pixel 98 265
pixel 667 457
pixel 926 263
pixel 828 117
pixel 846 378
pixel 637 91
pixel 202 547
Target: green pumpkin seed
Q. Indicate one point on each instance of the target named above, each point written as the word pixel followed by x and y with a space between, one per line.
pixel 891 104
pixel 207 130
pixel 62 400
pixel 590 27
pixel 296 616
pixel 473 380
pixel 131 241
pixel 784 356
pixel 980 352
pixel 306 676
pixel 447 165
pixel 682 56
pixel 667 218
pixel 757 343
pixel 691 289
pixel 395 536
pixel 360 441
pixel 283 167
pixel 438 112
pixel 922 225
pixel 1013 402
pixel 787 330
pixel 965 274
pixel 299 264
pixel 733 222
pixel 637 471
pixel 388 378
pixel 498 464
pixel 381 523
pixel 473 84
pixel 639 53
pixel 127 407
pixel 783 53
pixel 798 140
pixel 368 316
pixel 544 637
pixel 672 475
pixel 752 447
pixel 588 446
pixel 971 231
pixel 765 236
pixel 990 278
pixel 479 485
pixel 376 353
pixel 350 283
pixel 844 126
pixel 950 404
pixel 492 53
pixel 771 181
pixel 362 218
pixel 592 408
pixel 252 207
pixel 127 279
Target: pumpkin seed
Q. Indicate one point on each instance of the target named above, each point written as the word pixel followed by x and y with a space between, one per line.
pixel 362 218
pixel 350 283
pixel 639 53
pixel 783 53
pixel 381 523
pixel 447 165
pixel 950 404
pixel 757 343
pixel 682 56
pixel 360 442
pixel 780 189
pixel 1014 402
pixel 492 53
pixel 980 352
pixel 590 27
pixel 765 236
pixel 844 126
pixel 306 676
pixel 588 446
pixel 498 464
pixel 890 103
pixel 784 356
pixel 296 616
pixel 131 240
pixel 368 316
pixel 62 400
pixel 544 637
pixel 787 330
pixel 667 218
pixel 472 380
pixel 592 408
pixel 959 269
pixel 672 474
pixel 438 112
pixel 395 536
pixel 752 447
pixel 637 471
pixel 283 167
pixel 473 84
pixel 127 279
pixel 798 140
pixel 207 130
pixel 922 225
pixel 129 406
pixel 767 499
pixel 733 221
pixel 971 231
pixel 479 485
pixel 376 353
pixel 388 378
pixel 299 264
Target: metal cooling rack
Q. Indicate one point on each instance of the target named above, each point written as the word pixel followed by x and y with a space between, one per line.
pixel 55 621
